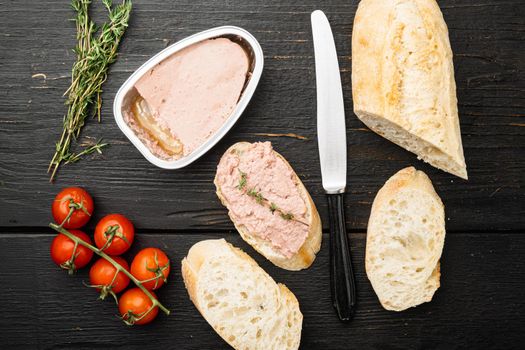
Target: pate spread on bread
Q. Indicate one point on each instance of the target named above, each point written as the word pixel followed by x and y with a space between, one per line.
pixel 403 79
pixel 239 299
pixel 269 205
pixel 406 233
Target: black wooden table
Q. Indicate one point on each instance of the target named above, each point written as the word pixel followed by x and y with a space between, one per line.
pixel 481 302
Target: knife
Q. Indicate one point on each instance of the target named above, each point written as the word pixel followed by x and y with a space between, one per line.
pixel 331 136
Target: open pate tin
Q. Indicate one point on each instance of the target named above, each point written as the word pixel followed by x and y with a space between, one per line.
pixel 128 92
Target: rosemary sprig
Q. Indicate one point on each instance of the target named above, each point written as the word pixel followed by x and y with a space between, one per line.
pixel 257 195
pixel 259 198
pixel 242 181
pixel 95 53
pixel 287 216
pixel 73 157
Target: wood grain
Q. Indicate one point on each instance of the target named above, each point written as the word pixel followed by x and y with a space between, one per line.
pixel 481 300
pixel 37 37
pixel 479 304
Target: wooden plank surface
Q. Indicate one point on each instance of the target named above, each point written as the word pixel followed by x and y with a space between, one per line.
pixel 37 37
pixel 479 304
pixel 481 301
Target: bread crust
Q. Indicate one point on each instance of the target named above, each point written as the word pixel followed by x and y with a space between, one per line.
pixel 403 79
pixel 409 178
pixel 307 253
pixel 406 179
pixel 190 267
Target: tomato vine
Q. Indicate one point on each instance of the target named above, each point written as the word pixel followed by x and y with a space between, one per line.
pixel 120 268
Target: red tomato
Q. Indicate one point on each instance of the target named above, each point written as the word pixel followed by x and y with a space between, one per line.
pixel 135 307
pixel 63 248
pixel 152 267
pixel 72 207
pixel 114 234
pixel 102 276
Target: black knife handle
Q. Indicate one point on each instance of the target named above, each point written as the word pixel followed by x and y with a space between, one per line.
pixel 341 271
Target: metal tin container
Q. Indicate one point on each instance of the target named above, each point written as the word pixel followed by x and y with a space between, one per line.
pixel 127 91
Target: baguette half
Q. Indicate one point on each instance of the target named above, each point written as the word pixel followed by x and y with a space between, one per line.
pixel 406 234
pixel 239 299
pixel 403 79
pixel 305 255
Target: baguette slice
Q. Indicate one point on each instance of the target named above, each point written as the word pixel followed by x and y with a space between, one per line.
pixel 403 79
pixel 239 299
pixel 305 255
pixel 406 233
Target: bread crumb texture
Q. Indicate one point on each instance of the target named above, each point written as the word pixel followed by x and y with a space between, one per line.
pixel 406 234
pixel 244 305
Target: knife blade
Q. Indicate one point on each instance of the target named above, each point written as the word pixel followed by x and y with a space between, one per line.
pixel 331 135
pixel 331 131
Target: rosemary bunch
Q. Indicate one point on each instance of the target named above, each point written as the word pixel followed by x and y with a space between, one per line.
pixel 95 53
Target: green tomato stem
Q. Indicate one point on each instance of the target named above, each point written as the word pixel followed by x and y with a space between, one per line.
pixel 113 262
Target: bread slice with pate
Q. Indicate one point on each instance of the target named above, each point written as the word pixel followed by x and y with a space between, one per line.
pixel 406 234
pixel 239 299
pixel 403 79
pixel 269 205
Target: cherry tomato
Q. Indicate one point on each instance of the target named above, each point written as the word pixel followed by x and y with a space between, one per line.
pixel 62 249
pixel 75 200
pixel 102 276
pixel 152 267
pixel 114 234
pixel 136 308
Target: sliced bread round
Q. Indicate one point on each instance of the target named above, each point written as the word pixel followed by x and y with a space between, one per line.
pixel 305 255
pixel 406 233
pixel 239 299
